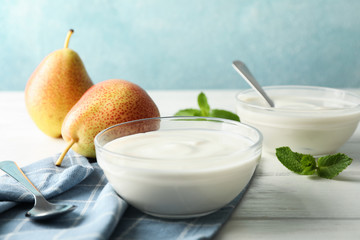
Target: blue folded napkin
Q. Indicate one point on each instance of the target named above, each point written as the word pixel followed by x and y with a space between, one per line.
pixel 100 212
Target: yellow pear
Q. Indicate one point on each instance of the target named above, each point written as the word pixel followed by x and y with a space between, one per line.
pixel 105 104
pixel 54 87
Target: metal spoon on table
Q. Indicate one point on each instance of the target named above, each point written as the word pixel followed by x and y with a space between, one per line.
pixel 241 68
pixel 42 208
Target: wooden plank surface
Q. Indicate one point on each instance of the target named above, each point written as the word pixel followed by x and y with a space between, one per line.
pixel 278 205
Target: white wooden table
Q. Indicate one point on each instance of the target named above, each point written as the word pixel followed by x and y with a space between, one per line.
pixel 278 205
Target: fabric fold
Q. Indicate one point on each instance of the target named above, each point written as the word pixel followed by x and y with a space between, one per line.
pixel 48 178
pixel 100 213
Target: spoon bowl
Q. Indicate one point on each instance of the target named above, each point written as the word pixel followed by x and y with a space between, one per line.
pixel 42 208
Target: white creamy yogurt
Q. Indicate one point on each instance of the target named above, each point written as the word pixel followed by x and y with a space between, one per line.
pixel 302 103
pixel 179 173
pixel 183 148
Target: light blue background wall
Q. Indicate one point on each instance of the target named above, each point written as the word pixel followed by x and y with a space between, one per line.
pixel 187 44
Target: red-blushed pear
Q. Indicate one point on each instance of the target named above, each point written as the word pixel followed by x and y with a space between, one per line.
pixel 54 87
pixel 105 104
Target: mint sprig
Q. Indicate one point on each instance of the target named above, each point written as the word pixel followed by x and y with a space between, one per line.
pixel 205 110
pixel 305 164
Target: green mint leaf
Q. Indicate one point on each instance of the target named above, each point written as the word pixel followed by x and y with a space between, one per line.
pixel 305 164
pixel 203 104
pixel 188 112
pixel 309 165
pixel 290 159
pixel 331 166
pixel 205 110
pixel 224 114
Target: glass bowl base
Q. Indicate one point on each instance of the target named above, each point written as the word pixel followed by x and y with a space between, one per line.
pixel 180 216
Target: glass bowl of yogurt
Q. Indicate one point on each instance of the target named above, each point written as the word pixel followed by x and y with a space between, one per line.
pixel 308 119
pixel 179 167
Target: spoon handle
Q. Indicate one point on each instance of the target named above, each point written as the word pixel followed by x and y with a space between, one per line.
pixel 13 170
pixel 241 68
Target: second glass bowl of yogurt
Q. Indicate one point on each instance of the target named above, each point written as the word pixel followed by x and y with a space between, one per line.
pixel 308 119
pixel 179 167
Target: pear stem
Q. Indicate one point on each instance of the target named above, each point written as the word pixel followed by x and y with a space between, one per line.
pixel 70 32
pixel 61 158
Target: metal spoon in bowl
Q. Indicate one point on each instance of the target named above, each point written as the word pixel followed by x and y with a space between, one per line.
pixel 42 208
pixel 241 68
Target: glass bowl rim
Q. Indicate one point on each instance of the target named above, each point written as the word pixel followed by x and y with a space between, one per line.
pixel 254 145
pixel 355 108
